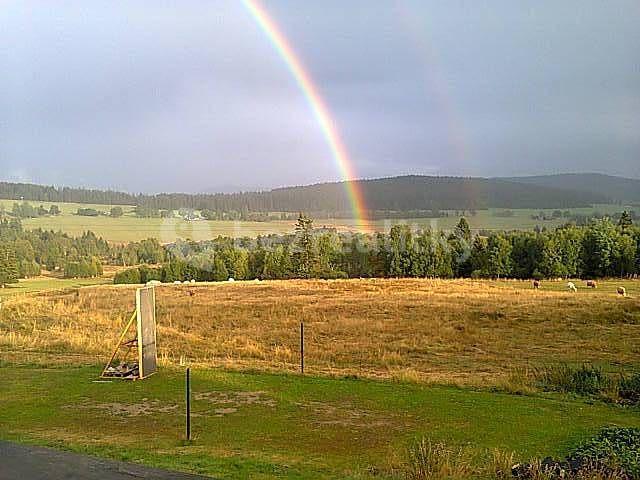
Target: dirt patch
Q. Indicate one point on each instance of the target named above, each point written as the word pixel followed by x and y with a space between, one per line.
pixel 145 407
pixel 231 402
pixel 236 399
pixel 345 416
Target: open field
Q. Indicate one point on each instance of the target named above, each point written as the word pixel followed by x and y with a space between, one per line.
pixel 40 284
pixel 48 281
pixel 131 228
pixel 387 362
pixel 459 331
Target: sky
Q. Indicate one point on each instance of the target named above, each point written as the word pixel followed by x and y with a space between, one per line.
pixel 191 95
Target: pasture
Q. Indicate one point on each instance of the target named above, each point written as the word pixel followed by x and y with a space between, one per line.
pixel 129 227
pixel 387 362
pixel 459 331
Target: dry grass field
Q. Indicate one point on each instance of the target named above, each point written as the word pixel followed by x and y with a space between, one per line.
pixel 452 331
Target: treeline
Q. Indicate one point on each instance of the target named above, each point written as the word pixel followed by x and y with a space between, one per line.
pixel 601 249
pixel 24 253
pixel 381 197
pixel 26 210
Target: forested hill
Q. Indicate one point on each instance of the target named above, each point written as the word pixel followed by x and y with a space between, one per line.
pixel 617 188
pixel 386 194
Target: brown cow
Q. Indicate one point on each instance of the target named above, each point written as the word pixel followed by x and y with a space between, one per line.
pixel 536 284
pixel 622 291
pixel 592 284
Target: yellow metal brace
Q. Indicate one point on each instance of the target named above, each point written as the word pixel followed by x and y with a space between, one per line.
pixel 120 342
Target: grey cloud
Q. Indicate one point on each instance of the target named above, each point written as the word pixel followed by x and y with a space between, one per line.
pixel 191 95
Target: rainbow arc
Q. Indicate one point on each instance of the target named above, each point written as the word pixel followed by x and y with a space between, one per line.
pixel 325 121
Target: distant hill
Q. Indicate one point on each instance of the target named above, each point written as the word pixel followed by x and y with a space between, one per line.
pixel 619 189
pixel 397 194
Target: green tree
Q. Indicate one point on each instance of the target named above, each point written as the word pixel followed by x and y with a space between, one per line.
pixel 625 222
pixel 625 255
pixel 462 230
pixel 399 251
pixel 8 266
pixel 277 264
pixel 599 248
pixel 479 258
pixel 305 254
pixel 131 276
pixel 527 254
pixel 328 248
pixel 498 256
pixel 116 212
pixel 220 272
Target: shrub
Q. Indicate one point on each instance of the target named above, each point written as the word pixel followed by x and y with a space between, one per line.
pixel 131 275
pixel 116 212
pixel 87 212
pixel 614 448
pixel 585 380
pixel 428 460
pixel 629 388
pixel 147 274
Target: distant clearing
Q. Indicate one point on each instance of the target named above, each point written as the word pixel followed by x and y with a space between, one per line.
pixel 129 228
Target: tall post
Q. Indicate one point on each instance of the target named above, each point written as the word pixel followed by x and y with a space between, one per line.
pixel 302 348
pixel 188 402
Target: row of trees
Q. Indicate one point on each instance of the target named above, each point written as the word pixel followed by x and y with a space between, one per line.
pixel 26 210
pixel 602 249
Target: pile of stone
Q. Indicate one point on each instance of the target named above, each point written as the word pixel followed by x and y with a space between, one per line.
pixel 125 370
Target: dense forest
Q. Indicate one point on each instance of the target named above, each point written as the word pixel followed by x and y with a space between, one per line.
pixel 620 189
pixel 398 194
pixel 601 249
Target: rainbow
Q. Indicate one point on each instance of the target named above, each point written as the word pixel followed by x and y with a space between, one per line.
pixel 320 110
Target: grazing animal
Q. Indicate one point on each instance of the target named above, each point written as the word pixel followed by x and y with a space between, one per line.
pixel 572 287
pixel 622 291
pixel 592 284
pixel 536 284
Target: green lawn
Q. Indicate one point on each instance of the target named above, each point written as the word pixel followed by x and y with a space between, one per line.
pixel 251 425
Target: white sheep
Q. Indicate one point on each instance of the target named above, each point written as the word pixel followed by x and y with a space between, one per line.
pixel 572 287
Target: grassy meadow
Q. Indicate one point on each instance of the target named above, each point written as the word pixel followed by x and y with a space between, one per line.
pixel 130 228
pixel 387 362
pixel 459 331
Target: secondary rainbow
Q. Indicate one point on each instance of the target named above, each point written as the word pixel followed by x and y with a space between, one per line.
pixel 320 111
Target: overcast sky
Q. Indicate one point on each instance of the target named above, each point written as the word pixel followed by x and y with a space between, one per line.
pixel 191 96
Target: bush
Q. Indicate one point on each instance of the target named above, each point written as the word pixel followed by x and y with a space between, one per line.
pixel 131 275
pixel 615 448
pixel 116 212
pixel 147 274
pixel 585 380
pixel 87 212
pixel 629 388
pixel 428 460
